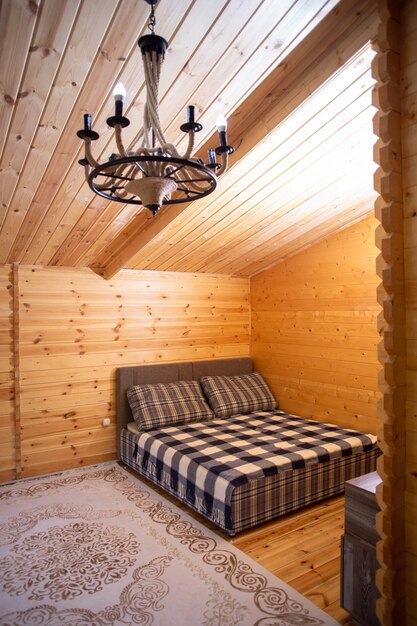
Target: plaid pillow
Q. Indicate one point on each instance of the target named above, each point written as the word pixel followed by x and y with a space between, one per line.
pixel 231 395
pixel 166 404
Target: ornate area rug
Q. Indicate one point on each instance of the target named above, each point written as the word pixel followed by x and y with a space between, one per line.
pixel 99 547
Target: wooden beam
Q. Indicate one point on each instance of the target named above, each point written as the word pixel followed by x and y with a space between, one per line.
pixel 392 347
pixel 261 112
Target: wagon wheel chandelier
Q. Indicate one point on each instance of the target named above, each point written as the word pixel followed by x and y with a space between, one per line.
pixel 152 172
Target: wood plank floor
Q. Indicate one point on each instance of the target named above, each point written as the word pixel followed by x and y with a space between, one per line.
pixel 303 549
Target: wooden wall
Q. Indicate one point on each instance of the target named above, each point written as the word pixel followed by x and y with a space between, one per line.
pixel 409 173
pixel 7 422
pixel 75 328
pixel 390 576
pixel 314 329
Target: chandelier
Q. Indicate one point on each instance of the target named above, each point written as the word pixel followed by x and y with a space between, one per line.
pixel 152 172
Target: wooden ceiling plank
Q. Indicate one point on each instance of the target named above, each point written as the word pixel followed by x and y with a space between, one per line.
pixel 241 16
pixel 289 152
pixel 316 170
pixel 90 215
pixel 116 246
pixel 73 251
pixel 334 41
pixel 267 18
pixel 45 53
pixel 265 220
pixel 187 26
pixel 223 227
pixel 187 14
pixel 240 10
pixel 330 55
pixel 128 75
pixel 66 225
pixel 110 57
pixel 320 197
pixel 307 214
pixel 268 54
pixel 202 60
pixel 101 231
pixel 91 25
pixel 17 23
pixel 111 232
pixel 79 217
pixel 310 215
pixel 150 235
pixel 193 30
pixel 265 186
pixel 169 105
pixel 291 216
pixel 322 232
pixel 361 204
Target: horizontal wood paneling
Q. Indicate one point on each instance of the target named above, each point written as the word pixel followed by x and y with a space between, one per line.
pixel 7 412
pixel 314 329
pixel 75 329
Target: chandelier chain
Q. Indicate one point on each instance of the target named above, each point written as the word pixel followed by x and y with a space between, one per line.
pixel 152 19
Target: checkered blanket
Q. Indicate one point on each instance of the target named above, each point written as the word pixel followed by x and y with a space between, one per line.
pixel 205 461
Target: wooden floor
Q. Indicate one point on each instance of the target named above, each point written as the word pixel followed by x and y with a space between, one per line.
pixel 303 549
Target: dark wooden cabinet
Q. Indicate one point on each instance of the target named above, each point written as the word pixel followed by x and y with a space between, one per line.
pixel 358 592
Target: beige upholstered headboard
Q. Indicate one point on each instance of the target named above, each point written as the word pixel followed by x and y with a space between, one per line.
pixel 167 373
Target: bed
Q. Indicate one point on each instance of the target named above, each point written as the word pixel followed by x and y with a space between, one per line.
pixel 244 469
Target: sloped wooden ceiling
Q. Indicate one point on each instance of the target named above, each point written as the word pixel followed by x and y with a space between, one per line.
pixel 293 77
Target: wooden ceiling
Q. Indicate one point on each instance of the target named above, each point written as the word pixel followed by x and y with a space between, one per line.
pixel 292 76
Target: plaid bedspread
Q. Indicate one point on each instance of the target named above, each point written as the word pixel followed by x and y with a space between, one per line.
pixel 205 462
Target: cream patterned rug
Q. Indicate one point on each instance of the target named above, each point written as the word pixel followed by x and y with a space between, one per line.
pixel 99 547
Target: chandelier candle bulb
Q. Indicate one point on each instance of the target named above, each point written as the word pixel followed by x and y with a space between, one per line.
pixel 223 149
pixel 221 123
pixel 119 94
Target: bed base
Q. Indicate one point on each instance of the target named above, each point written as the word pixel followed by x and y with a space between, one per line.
pixel 267 498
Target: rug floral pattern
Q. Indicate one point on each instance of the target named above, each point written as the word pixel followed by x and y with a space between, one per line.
pixel 70 560
pixel 99 547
